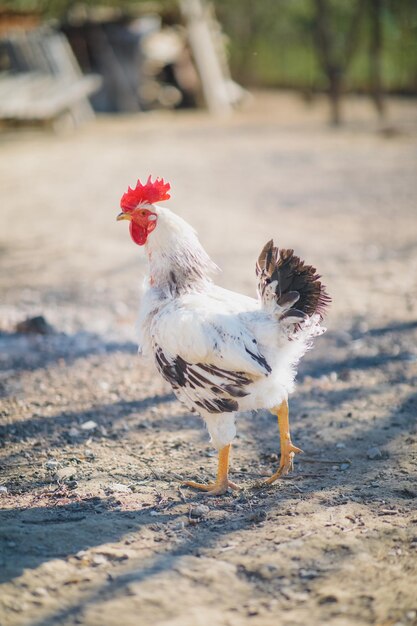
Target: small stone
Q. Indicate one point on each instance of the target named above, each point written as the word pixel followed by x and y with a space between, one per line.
pixel 81 554
pixel 252 611
pixel 329 599
pixel 257 516
pixel 180 523
pixel 99 559
pixel 199 511
pixel 65 473
pixel 132 590
pixel 3 489
pixel 34 325
pixel 51 465
pixel 308 574
pixel 267 572
pixel 120 488
pixel 345 466
pixel 340 445
pixel 345 375
pixel 73 432
pixel 90 425
pixel 116 554
pixel 296 596
pixel 374 453
pixel 40 592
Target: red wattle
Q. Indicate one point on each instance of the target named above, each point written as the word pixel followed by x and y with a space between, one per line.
pixel 138 233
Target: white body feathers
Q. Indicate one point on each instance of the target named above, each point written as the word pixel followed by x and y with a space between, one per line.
pixel 222 352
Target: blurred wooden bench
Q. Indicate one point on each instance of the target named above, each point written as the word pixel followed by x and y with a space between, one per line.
pixel 42 81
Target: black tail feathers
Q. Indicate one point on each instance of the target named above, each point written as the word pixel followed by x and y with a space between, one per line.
pixel 294 286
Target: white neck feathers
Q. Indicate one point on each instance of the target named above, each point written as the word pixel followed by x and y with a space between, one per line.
pixel 177 260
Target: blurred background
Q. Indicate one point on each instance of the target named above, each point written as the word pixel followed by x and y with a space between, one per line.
pixel 291 119
pixel 306 107
pixel 182 54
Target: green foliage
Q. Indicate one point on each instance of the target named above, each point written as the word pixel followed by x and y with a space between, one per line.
pixel 272 43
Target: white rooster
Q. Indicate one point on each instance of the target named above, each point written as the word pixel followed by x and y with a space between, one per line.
pixel 221 352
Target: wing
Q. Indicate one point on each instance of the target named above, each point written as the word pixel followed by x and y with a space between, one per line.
pixel 212 329
pixel 203 386
pixel 205 349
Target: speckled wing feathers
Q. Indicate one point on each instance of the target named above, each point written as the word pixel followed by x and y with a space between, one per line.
pixel 201 385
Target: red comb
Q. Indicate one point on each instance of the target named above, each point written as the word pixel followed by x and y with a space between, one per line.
pixel 145 194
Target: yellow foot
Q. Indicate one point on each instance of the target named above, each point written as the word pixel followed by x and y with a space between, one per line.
pixel 286 463
pixel 222 483
pixel 213 489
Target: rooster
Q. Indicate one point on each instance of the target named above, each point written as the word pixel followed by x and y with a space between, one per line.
pixel 221 352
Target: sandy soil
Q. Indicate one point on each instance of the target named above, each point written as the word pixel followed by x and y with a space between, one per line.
pixel 95 527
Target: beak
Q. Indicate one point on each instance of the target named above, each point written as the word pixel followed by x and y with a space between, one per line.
pixel 123 216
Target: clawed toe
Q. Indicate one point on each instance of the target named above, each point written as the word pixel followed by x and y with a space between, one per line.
pixel 283 470
pixel 213 489
pixel 286 464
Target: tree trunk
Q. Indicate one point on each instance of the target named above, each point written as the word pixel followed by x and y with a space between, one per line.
pixel 334 64
pixel 375 51
pixel 325 48
pixel 335 94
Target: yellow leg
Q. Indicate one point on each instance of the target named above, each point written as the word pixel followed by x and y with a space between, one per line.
pixel 222 481
pixel 287 448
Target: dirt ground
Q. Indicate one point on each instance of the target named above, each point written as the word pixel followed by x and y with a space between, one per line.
pixel 95 526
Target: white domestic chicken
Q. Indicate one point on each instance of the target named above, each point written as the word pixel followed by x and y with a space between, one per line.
pixel 221 352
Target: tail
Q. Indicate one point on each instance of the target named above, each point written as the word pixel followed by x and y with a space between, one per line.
pixel 289 288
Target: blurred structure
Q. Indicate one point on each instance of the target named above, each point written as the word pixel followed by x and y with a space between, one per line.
pixel 41 80
pixel 170 58
pixel 174 54
pixel 123 61
pixel 143 64
pixel 207 45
